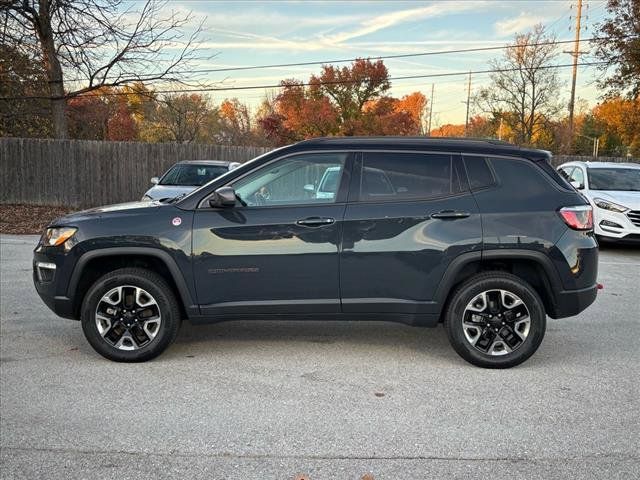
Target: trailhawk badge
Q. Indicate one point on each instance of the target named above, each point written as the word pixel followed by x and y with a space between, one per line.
pixel 176 221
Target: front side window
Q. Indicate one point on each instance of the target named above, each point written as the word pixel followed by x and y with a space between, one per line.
pixel 577 176
pixel 310 178
pixel 401 176
pixel 192 175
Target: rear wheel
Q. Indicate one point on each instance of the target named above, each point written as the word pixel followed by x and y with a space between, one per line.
pixel 495 320
pixel 130 315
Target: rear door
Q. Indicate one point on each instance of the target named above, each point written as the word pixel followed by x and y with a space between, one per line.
pixel 409 215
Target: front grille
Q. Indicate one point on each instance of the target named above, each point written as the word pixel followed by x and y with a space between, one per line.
pixel 634 216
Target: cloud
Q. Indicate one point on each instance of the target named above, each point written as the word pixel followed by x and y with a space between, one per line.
pixel 241 38
pixel 519 24
pixel 391 19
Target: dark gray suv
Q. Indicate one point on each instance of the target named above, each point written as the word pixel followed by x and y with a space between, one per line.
pixel 482 236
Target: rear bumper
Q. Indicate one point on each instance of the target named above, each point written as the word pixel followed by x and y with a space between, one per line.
pixel 572 302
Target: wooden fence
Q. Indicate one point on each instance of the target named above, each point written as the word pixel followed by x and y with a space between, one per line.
pixel 81 173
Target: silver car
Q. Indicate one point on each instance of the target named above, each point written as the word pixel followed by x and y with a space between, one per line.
pixel 184 177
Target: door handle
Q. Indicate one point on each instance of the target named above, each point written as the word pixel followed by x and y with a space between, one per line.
pixel 316 221
pixel 450 214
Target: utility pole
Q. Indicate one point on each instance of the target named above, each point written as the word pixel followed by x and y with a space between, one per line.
pixel 430 109
pixel 576 53
pixel 466 121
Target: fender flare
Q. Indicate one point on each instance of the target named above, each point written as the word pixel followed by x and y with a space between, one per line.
pixel 178 278
pixel 552 281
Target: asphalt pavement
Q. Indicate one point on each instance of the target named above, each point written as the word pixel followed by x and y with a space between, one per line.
pixel 333 400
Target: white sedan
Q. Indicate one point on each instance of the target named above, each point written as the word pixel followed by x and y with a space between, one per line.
pixel 614 192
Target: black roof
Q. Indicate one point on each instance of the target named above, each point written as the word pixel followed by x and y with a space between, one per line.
pixel 470 145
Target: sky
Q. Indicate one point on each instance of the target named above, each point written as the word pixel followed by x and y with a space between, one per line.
pixel 244 33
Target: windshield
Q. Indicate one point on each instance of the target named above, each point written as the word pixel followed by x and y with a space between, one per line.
pixel 243 167
pixel 192 175
pixel 621 179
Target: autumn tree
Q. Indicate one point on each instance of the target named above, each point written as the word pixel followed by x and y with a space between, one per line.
pixel 298 113
pixel 390 116
pixel 85 45
pixel 350 87
pixel 103 114
pixel 525 85
pixel 448 130
pixel 235 123
pixel 620 122
pixel 618 46
pixel 415 104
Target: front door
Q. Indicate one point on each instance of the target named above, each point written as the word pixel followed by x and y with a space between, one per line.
pixel 276 251
pixel 409 215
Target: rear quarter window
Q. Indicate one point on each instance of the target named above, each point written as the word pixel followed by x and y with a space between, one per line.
pixel 522 179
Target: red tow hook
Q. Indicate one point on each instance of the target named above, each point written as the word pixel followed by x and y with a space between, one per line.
pixel 600 286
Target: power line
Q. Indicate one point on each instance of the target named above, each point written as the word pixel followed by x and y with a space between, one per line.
pixel 381 57
pixel 302 84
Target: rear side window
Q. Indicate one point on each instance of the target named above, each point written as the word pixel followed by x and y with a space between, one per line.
pixel 479 173
pixel 400 176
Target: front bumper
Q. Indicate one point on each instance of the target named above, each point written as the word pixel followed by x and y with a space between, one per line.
pixel 615 226
pixel 50 278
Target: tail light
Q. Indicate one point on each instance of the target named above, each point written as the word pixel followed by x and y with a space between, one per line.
pixel 579 217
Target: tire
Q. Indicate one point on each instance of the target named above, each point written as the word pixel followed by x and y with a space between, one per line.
pixel 148 330
pixel 522 338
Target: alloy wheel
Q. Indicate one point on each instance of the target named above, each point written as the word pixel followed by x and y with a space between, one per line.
pixel 496 322
pixel 128 317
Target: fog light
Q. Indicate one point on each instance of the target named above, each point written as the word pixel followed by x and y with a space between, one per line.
pixel 607 223
pixel 45 271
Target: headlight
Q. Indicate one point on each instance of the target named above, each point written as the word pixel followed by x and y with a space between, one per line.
pixel 54 237
pixel 607 205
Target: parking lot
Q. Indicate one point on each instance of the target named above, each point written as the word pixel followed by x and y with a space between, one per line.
pixel 331 400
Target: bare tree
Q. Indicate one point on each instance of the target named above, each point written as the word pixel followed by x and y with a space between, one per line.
pixel 88 44
pixel 524 88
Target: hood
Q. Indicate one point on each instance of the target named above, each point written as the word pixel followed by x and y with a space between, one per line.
pixel 627 199
pixel 92 213
pixel 160 192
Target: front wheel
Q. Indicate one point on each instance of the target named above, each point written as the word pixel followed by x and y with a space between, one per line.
pixel 130 315
pixel 495 320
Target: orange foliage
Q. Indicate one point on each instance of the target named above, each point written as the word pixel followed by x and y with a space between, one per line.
pixel 448 130
pixel 414 104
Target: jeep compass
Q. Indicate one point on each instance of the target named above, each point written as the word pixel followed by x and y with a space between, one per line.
pixel 482 236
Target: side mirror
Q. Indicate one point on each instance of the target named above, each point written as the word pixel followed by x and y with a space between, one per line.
pixel 154 180
pixel 577 185
pixel 310 187
pixel 223 197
